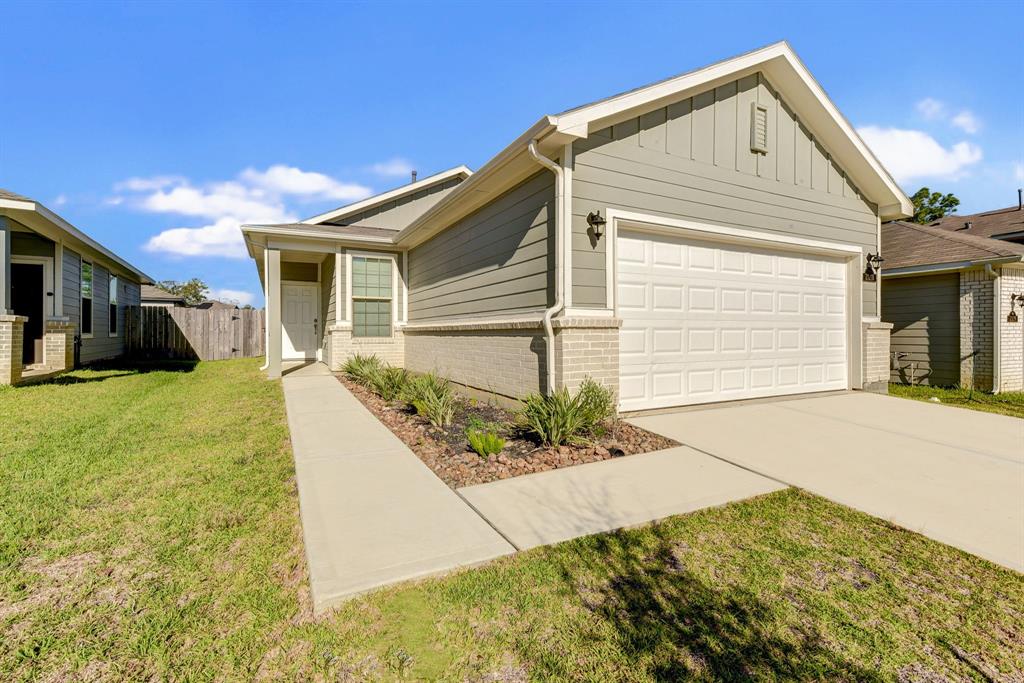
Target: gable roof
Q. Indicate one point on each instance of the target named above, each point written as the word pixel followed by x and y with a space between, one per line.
pixel 1001 223
pixel 153 293
pixel 391 195
pixel 910 246
pixel 778 62
pixel 36 216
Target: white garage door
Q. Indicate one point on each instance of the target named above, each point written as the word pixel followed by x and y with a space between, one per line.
pixel 706 321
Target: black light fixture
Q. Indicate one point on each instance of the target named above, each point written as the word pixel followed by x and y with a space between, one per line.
pixel 595 221
pixel 874 262
pixel 1014 298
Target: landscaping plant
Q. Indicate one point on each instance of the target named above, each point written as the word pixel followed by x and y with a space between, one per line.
pixel 432 397
pixel 484 437
pixel 360 368
pixel 561 418
pixel 388 382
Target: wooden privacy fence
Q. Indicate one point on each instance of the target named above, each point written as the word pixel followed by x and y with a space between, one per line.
pixel 154 332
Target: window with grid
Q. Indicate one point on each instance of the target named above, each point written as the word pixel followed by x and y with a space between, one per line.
pixel 371 297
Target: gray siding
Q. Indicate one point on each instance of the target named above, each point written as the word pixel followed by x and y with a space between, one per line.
pixel 692 160
pixel 925 313
pixel 72 279
pixel 400 212
pixel 30 244
pixel 495 261
pixel 101 345
pixel 328 295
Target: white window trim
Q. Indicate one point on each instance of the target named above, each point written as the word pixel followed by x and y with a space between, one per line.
pixel 112 335
pixel 92 300
pixel 394 287
pixel 47 263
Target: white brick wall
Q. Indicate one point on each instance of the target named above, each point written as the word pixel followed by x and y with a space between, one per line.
pixel 12 328
pixel 587 348
pixel 976 329
pixel 343 346
pixel 1011 335
pixel 59 345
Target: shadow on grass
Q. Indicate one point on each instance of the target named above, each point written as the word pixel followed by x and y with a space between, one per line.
pixel 121 368
pixel 675 625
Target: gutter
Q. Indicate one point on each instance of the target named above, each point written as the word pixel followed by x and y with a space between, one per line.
pixel 549 332
pixel 997 327
pixel 948 267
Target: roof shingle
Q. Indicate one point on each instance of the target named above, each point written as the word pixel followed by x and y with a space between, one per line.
pixel 909 244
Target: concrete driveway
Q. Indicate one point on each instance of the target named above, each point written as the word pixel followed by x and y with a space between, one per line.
pixel 952 474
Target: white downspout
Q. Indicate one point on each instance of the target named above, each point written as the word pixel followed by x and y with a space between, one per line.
pixel 549 332
pixel 997 327
pixel 266 318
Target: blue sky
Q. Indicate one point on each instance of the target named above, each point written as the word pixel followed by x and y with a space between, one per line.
pixel 157 127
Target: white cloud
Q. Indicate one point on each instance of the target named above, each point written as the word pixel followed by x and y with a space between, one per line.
pixel 61 200
pixel 393 168
pixel 148 184
pixel 910 154
pixel 931 108
pixel 217 201
pixel 967 122
pixel 234 296
pixel 288 180
pixel 222 238
pixel 1018 172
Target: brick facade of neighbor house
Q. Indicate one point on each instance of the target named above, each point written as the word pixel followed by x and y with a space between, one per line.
pixel 59 345
pixel 976 329
pixel 1011 337
pixel 12 328
pixel 876 356
pixel 342 346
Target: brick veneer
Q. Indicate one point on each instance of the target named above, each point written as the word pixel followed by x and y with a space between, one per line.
pixel 59 344
pixel 12 329
pixel 1011 335
pixel 587 347
pixel 976 329
pixel 343 346
pixel 876 356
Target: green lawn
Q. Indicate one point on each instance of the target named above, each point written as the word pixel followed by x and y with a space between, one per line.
pixel 1009 403
pixel 149 531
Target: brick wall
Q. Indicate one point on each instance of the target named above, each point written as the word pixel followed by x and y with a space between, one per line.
pixel 876 357
pixel 587 348
pixel 12 328
pixel 976 329
pixel 59 345
pixel 1011 335
pixel 343 346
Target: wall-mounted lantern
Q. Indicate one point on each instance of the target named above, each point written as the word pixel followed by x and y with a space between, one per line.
pixel 1014 299
pixel 874 262
pixel 595 221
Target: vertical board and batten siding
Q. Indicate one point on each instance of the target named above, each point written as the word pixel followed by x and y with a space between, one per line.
pixel 925 314
pixel 497 260
pixel 692 160
pixel 402 211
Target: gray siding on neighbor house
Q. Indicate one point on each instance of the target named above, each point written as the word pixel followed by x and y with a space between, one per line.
pixel 72 279
pixel 925 313
pixel 402 211
pixel 101 345
pixel 497 260
pixel 692 160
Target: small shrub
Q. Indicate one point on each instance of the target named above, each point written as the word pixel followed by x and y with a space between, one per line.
pixel 432 397
pixel 560 417
pixel 484 437
pixel 597 404
pixel 361 368
pixel 388 382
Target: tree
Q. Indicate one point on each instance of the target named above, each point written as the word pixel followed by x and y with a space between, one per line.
pixel 931 206
pixel 194 291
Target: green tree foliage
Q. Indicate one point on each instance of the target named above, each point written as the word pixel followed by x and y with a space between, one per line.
pixel 193 291
pixel 931 206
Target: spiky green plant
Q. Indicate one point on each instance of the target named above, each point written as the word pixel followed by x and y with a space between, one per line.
pixel 484 437
pixel 360 368
pixel 388 382
pixel 432 397
pixel 561 417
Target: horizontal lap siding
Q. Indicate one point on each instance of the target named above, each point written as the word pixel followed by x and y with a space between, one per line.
pixel 692 160
pixel 72 274
pixel 402 211
pixel 925 313
pixel 101 345
pixel 495 261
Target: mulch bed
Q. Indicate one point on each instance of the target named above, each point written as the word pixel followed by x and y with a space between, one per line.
pixel 447 452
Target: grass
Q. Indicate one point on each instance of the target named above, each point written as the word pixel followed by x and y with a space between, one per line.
pixel 149 531
pixel 1008 403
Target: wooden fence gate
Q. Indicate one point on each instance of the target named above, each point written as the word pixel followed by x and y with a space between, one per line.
pixel 154 332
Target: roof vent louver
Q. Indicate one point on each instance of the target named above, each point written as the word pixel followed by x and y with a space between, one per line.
pixel 758 128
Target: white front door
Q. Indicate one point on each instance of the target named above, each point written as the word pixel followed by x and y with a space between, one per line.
pixel 299 303
pixel 706 321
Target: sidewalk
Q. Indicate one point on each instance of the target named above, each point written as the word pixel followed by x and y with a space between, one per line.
pixel 372 513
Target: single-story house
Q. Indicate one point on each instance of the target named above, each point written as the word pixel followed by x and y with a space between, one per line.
pixel 1006 224
pixel 161 298
pixel 58 287
pixel 217 305
pixel 956 301
pixel 701 239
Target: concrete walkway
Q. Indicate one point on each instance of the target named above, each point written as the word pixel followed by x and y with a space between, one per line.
pixel 952 474
pixel 549 507
pixel 372 513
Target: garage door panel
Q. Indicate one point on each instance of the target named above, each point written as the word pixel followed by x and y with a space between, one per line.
pixel 709 322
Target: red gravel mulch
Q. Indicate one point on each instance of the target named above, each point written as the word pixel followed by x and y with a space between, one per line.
pixel 447 452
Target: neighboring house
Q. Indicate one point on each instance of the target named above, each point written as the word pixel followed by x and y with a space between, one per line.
pixel 700 239
pixel 948 296
pixel 1002 224
pixel 57 284
pixel 218 305
pixel 154 296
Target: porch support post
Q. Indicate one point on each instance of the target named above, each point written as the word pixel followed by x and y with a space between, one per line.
pixel 5 266
pixel 273 276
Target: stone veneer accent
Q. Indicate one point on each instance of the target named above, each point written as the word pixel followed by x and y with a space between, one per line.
pixel 876 358
pixel 12 329
pixel 587 347
pixel 976 329
pixel 1011 335
pixel 59 344
pixel 342 346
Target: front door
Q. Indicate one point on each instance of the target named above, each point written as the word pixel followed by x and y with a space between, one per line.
pixel 298 321
pixel 27 296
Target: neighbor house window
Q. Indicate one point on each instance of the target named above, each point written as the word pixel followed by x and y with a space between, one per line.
pixel 112 317
pixel 371 297
pixel 86 298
